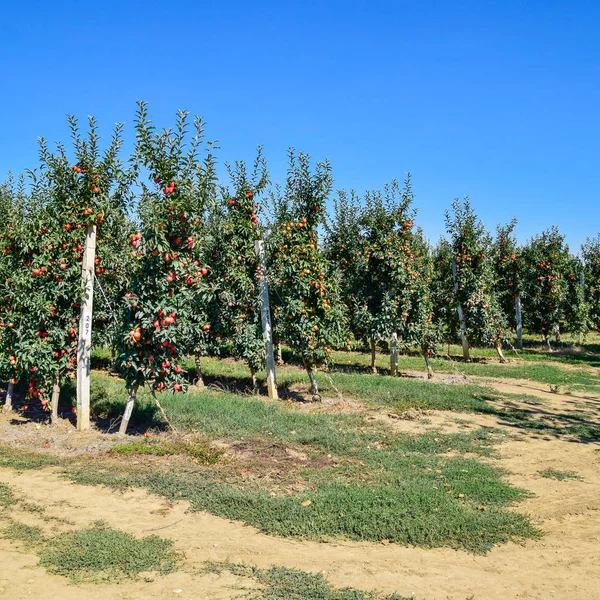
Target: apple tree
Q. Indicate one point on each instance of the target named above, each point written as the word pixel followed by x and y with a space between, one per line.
pixel 168 283
pixel 307 300
pixel 235 228
pixel 591 259
pixel 507 270
pixel 480 315
pixel 546 265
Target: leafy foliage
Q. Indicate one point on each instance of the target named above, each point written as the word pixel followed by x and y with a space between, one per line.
pixel 307 303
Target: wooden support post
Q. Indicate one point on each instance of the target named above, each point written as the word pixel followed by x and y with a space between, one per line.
pixel 54 402
pixel 9 397
pixel 394 354
pixel 582 286
pixel 461 317
pixel 199 378
pixel 84 348
pixel 373 356
pixel 519 320
pixel 259 246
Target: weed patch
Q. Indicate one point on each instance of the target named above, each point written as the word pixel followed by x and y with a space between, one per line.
pixel 7 497
pixel 198 449
pixel 281 583
pixel 101 554
pixel 27 534
pixel 551 473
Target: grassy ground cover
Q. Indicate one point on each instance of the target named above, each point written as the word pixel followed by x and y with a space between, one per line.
pixel 280 583
pixel 326 475
pixel 356 479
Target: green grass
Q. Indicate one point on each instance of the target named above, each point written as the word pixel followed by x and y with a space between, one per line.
pixel 280 583
pixel 531 368
pixel 101 554
pixel 363 480
pixel 198 448
pixel 360 480
pixel 551 473
pixel 29 535
pixel 459 507
pixel 7 497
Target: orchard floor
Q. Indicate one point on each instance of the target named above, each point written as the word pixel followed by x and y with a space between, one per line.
pixel 564 563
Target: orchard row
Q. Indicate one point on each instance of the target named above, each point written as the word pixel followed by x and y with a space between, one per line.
pixel 176 273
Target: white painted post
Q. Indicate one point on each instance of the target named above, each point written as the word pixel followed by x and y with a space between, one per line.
pixel 428 365
pixel 259 246
pixel 199 378
pixel 84 348
pixel 582 285
pixel 128 410
pixel 373 357
pixel 461 317
pixel 54 401
pixel 519 319
pixel 394 354
pixel 9 397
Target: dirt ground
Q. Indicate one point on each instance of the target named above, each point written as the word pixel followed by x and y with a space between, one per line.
pixel 564 563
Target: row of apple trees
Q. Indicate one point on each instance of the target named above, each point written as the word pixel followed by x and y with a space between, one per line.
pixel 177 275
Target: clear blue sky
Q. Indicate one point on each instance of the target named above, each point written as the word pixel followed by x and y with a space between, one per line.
pixel 497 100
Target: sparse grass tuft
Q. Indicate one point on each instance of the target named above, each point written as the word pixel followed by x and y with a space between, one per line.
pixel 22 460
pixel 102 554
pixel 20 532
pixel 198 449
pixel 281 583
pixel 7 498
pixel 551 473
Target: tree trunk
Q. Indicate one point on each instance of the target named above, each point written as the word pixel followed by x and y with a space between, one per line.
pixel 54 402
pixel 279 354
pixel 394 354
pixel 254 381
pixel 500 353
pixel 461 317
pixel 314 388
pixel 547 342
pixel 428 364
pixel 373 356
pixel 556 331
pixel 199 378
pixel 113 360
pixel 519 320
pixel 9 397
pixel 128 410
